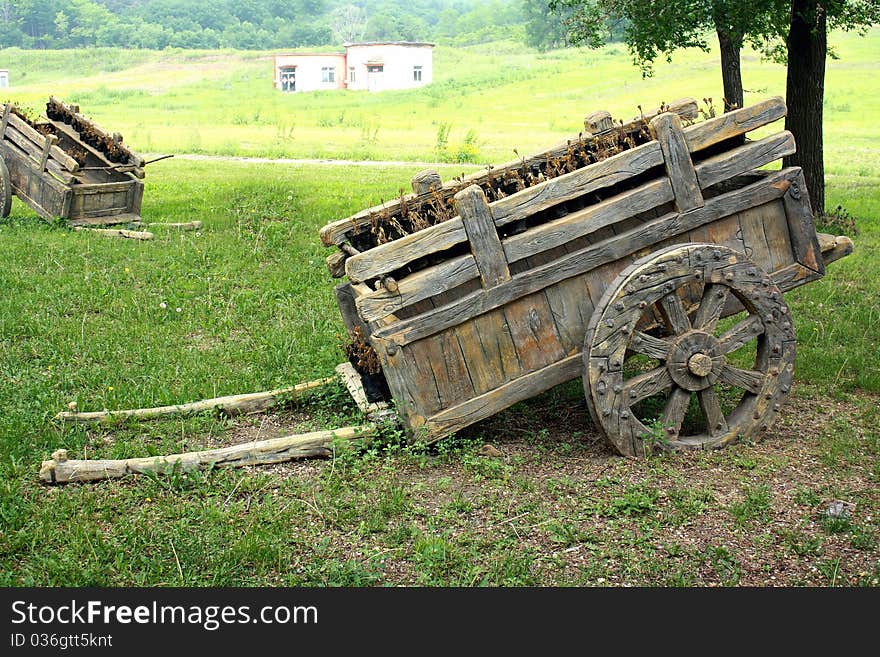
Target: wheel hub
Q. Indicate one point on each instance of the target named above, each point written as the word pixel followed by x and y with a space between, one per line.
pixel 694 360
pixel 700 364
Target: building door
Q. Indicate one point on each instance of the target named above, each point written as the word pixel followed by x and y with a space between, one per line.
pixel 375 77
pixel 287 78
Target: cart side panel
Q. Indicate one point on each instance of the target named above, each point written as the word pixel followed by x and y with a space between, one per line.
pixel 481 360
pixel 105 200
pixel 45 195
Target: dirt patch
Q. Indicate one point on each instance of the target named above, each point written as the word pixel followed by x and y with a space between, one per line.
pixel 558 499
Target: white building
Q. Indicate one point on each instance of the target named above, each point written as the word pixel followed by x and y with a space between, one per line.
pixel 4 78
pixel 364 66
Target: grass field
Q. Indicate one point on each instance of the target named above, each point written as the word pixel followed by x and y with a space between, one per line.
pixel 246 304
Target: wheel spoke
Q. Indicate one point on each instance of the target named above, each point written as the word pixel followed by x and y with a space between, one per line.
pixel 750 380
pixel 674 314
pixel 711 407
pixel 673 413
pixel 648 345
pixel 644 385
pixel 711 305
pixel 748 329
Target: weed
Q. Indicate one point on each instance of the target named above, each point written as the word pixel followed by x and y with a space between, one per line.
pixel 636 500
pixel 755 505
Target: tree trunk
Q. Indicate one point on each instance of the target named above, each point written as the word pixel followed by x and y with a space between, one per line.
pixel 731 74
pixel 804 91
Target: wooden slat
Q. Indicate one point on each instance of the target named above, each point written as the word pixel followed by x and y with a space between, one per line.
pixel 65 160
pixel 473 410
pixel 728 165
pixel 699 136
pixel 386 258
pixel 533 331
pixel 732 124
pixel 417 287
pixel 666 129
pixel 801 228
pixel 583 222
pixel 25 149
pixel 472 207
pixel 393 255
pixel 588 258
pixel 569 186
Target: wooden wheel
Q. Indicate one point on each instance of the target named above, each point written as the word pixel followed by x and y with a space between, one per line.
pixel 659 372
pixel 5 190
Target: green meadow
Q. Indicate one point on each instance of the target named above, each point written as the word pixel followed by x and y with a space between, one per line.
pixel 246 304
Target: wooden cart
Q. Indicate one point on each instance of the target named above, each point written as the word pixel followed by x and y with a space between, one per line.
pixel 39 169
pixel 656 274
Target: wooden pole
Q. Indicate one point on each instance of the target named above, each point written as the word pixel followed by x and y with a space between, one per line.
pixel 61 470
pixel 116 232
pixel 186 225
pixel 231 404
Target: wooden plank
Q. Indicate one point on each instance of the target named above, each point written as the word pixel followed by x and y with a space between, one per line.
pixel 732 124
pixel 336 232
pixel 775 224
pixel 50 140
pixel 418 286
pixel 391 256
pixel 583 222
pixel 569 186
pixel 480 407
pixel 754 240
pixel 444 357
pixel 21 147
pixel 666 129
pixel 730 164
pixel 533 332
pixel 472 207
pixel 801 228
pixel 587 259
pixel 65 160
pixel 7 110
pixel 484 366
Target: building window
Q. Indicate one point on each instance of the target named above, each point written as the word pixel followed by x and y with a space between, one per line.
pixel 328 74
pixel 417 73
pixel 287 78
pixel 375 68
pixel 351 74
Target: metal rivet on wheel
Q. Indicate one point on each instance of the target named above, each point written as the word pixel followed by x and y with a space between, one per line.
pixel 719 294
pixel 392 349
pixel 756 415
pixel 624 415
pixel 776 407
pixel 619 305
pixel 785 389
pixel 643 305
pixel 606 412
pixel 751 272
pixel 617 388
pixel 716 254
pixel 624 330
pixel 764 427
pixel 633 393
pixel 609 323
pixel 728 276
